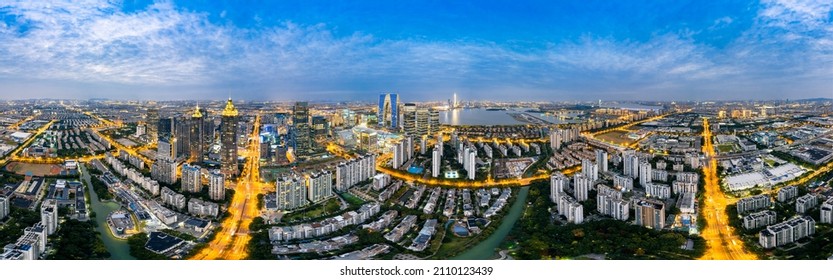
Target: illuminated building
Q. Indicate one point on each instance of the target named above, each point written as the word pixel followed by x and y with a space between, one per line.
pixel 228 140
pixel 388 111
pixel 191 178
pixel 216 185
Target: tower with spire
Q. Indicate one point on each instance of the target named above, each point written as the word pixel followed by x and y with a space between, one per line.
pixel 196 135
pixel 228 140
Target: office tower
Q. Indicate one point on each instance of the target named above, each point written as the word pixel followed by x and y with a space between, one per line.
pixel 164 170
pixel 590 169
pixel 409 119
pixel 49 216
pixel 301 129
pixel 182 132
pixel 436 160
pixel 152 121
pixel 581 186
pixel 291 193
pixel 191 178
pixel 196 146
pixel 216 185
pixel 319 186
pixel 423 122
pixel 650 213
pixel 388 111
pixel 228 140
pixel 320 127
pixel 558 183
pixel 644 173
pixel 433 121
pixel 601 160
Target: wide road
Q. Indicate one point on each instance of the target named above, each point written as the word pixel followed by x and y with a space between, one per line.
pixel 722 241
pixel 230 243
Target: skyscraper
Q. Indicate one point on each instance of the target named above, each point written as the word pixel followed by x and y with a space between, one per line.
pixel 301 129
pixel 433 121
pixel 228 140
pixel 590 169
pixel 409 119
pixel 196 145
pixel 216 185
pixel 388 111
pixel 152 121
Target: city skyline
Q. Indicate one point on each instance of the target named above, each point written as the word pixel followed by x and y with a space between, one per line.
pixel 330 51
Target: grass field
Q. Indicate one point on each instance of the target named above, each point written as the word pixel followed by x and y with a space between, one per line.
pixel 36 168
pixel 726 148
pixel 616 137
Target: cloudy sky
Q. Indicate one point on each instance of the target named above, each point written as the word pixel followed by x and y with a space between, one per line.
pixel 424 50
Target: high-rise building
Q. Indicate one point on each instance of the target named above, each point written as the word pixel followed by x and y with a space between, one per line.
pixel 623 183
pixel 609 202
pixel 196 144
pixel 558 183
pixel 291 193
pixel 319 186
pixel 166 148
pixel 601 160
pixel 388 111
pixel 49 216
pixel 191 178
pixel 433 121
pixel 590 169
pixel 164 170
pixel 409 119
pixel 4 207
pixel 353 171
pixel 660 191
pixel 436 160
pixel 650 213
pixel 470 163
pixel 644 172
pixel 826 212
pixel 630 164
pixel 301 129
pixel 216 185
pixel 320 127
pixel 228 140
pixel 571 209
pixel 581 186
pixel 423 144
pixel 152 121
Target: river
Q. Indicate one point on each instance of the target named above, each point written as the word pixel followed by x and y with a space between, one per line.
pixel 119 250
pixel 485 250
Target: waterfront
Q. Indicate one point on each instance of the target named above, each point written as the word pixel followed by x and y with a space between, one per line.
pixel 481 116
pixel 119 249
pixel 485 250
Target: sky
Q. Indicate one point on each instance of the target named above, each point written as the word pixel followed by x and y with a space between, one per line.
pixel 424 50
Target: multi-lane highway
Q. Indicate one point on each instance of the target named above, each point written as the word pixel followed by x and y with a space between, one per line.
pixel 722 241
pixel 230 243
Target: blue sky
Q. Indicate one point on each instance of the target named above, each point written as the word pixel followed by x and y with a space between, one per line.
pixel 424 50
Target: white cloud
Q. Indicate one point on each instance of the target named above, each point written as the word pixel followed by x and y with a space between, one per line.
pixel 162 46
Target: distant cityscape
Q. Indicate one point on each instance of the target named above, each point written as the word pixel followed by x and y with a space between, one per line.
pixel 388 178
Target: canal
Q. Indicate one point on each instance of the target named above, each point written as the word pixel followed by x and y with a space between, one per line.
pixel 119 250
pixel 485 250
